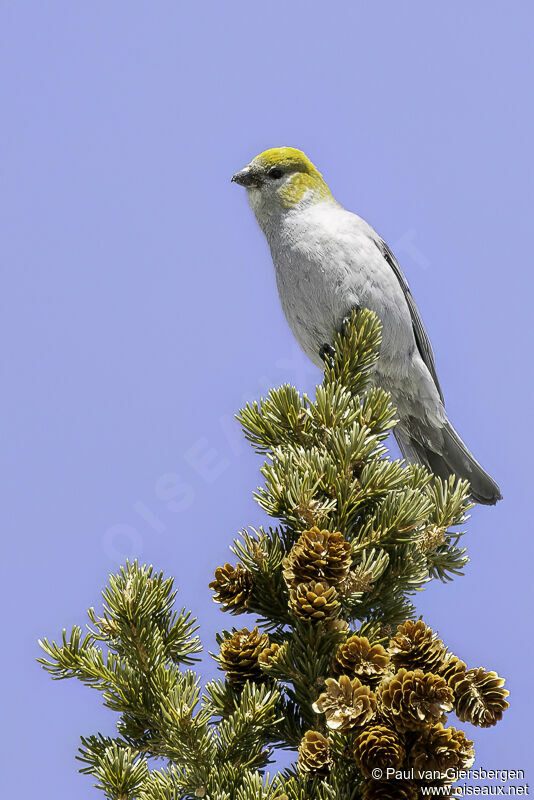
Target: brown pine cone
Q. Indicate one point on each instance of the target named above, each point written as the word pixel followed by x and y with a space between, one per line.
pixel 338 628
pixel 318 556
pixel 314 601
pixel 439 749
pixel 416 646
pixel 359 580
pixel 378 747
pixel 346 703
pixel 232 587
pixel 239 656
pixel 272 655
pixel 413 700
pixel 389 790
pixel 453 670
pixel 314 753
pixel 480 698
pixel 358 657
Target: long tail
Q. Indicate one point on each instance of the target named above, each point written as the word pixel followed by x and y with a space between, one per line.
pixel 450 457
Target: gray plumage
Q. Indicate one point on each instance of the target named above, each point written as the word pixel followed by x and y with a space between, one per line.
pixel 329 261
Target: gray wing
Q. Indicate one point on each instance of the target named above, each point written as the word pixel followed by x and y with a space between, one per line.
pixel 421 336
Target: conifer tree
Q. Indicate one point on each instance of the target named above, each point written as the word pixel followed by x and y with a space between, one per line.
pixel 334 664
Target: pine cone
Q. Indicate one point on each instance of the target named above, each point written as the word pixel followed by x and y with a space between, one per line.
pixel 413 700
pixel 239 656
pixel 315 601
pixel 359 580
pixel 232 587
pixel 480 698
pixel 358 657
pixel 453 670
pixel 416 646
pixel 378 747
pixel 318 556
pixel 439 749
pixel 314 753
pixel 390 790
pixel 270 657
pixel 347 703
pixel 338 628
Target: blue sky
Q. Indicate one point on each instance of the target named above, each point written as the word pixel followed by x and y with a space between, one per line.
pixel 140 308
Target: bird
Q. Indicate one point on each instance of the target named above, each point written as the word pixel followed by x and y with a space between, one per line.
pixel 329 261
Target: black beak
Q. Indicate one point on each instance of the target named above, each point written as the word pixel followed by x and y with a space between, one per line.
pixel 246 177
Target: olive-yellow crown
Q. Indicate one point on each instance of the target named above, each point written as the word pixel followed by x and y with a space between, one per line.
pixel 286 173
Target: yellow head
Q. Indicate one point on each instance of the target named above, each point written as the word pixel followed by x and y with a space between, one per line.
pixel 283 177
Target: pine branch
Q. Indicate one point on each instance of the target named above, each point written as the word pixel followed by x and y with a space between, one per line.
pixel 332 665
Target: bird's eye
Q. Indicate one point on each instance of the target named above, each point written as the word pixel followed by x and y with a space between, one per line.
pixel 275 173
